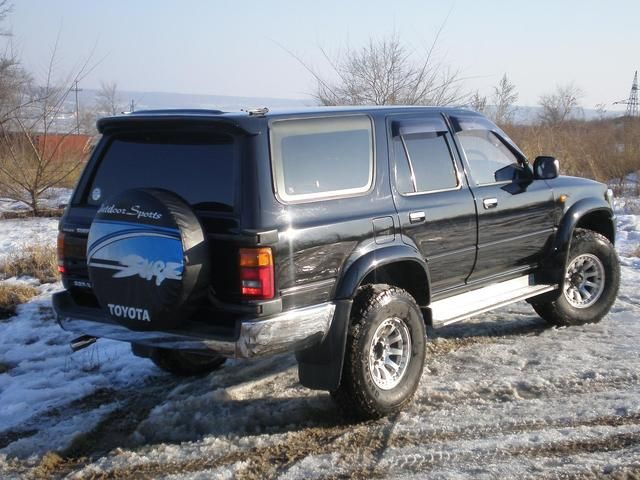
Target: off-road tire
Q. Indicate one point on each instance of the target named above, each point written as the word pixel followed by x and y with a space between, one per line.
pixel 184 364
pixel 558 310
pixel 358 396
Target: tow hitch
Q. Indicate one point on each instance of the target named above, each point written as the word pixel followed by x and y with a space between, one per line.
pixel 82 342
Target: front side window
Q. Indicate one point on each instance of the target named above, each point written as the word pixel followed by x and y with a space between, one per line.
pixel 489 159
pixel 424 163
pixel 316 158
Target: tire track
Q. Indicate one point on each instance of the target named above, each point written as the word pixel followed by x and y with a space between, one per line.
pixel 369 441
pixel 422 464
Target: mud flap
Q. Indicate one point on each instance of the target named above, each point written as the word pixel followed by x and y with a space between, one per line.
pixel 320 366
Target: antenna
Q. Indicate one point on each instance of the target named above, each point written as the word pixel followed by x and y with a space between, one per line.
pixel 632 101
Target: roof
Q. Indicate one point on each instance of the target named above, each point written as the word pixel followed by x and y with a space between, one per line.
pixel 248 121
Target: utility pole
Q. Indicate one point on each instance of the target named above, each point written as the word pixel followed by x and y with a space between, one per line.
pixel 632 101
pixel 76 90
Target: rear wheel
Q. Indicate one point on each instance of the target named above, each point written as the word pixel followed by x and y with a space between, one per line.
pixel 185 364
pixel 591 282
pixel 385 353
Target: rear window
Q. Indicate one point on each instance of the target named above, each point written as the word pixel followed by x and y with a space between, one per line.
pixel 201 168
pixel 317 158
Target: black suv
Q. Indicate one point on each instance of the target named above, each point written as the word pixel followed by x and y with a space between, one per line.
pixel 336 233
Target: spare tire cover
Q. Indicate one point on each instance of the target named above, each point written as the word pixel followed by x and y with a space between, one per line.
pixel 148 259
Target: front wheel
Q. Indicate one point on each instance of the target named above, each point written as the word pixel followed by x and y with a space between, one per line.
pixel 591 282
pixel 385 353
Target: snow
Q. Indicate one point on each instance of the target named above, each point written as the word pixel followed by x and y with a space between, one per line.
pixel 503 395
pixel 53 198
pixel 18 232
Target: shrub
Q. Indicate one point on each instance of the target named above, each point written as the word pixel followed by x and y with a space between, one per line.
pixel 605 150
pixel 33 260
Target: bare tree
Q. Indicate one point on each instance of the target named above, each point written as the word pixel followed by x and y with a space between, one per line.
pixel 5 10
pixel 34 153
pixel 560 105
pixel 14 80
pixel 108 99
pixel 601 110
pixel 477 102
pixel 385 72
pixel 504 98
pixel 14 85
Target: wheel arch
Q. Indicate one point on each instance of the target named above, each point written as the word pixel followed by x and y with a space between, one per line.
pixel 589 213
pixel 398 265
pixel 320 366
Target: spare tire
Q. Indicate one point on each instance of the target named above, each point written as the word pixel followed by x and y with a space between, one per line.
pixel 147 257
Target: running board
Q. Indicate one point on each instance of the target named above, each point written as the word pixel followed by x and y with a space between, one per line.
pixel 468 304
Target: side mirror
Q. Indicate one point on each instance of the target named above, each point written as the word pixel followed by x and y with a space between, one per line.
pixel 545 168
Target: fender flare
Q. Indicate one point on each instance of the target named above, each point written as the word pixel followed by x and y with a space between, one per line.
pixel 320 366
pixel 557 260
pixel 354 274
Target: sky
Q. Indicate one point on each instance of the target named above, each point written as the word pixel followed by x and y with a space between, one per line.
pixel 249 48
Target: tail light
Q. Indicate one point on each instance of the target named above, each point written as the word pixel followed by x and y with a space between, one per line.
pixel 256 273
pixel 60 252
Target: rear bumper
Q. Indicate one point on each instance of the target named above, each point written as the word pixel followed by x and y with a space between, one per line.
pixel 289 331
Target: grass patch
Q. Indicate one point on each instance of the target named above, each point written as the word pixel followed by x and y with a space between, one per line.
pixel 48 465
pixel 636 252
pixel 34 260
pixel 12 295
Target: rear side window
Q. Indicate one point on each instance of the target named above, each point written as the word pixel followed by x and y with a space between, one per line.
pixel 316 158
pixel 201 168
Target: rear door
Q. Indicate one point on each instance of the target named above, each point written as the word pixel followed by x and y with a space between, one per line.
pixel 515 212
pixel 434 202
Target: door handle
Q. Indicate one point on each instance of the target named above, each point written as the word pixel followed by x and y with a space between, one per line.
pixel 417 217
pixel 490 203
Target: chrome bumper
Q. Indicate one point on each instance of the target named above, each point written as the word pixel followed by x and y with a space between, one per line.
pixel 289 331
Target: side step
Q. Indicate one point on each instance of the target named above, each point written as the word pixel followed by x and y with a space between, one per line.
pixel 465 305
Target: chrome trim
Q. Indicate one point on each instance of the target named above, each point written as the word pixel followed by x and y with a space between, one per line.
pixel 532 293
pixel 416 217
pixel 490 203
pixel 453 252
pixel 547 231
pixel 463 305
pixel 413 194
pixel 308 287
pixel 289 331
pixel 502 182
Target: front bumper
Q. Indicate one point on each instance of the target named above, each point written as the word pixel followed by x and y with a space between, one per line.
pixel 289 331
